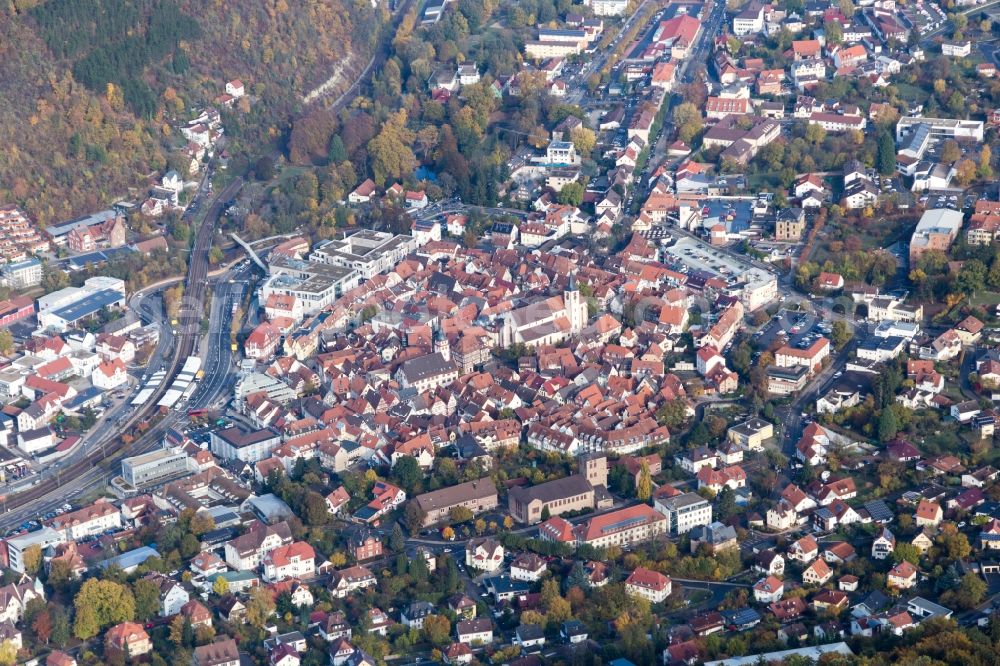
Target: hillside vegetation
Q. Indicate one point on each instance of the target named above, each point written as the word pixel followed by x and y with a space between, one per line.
pixel 93 90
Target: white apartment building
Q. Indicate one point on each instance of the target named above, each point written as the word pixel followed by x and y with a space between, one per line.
pixel 608 7
pixel 367 252
pixel 23 274
pixel 314 285
pixel 43 538
pixel 88 521
pixel 247 551
pixel 684 512
pixel 759 289
pixel 805 69
pixel 561 153
pixel 956 49
pixel 540 50
pixel 749 21
pixel 296 560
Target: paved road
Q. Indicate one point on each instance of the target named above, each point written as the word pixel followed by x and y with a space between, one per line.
pixel 928 39
pixel 105 454
pixel 216 347
pixel 596 64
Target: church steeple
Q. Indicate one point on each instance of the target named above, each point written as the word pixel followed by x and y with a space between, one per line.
pixel 441 345
pixel 576 308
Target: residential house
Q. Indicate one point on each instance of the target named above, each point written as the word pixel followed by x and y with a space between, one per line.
pixel 650 585
pixel 903 576
pixel 817 573
pixel 128 639
pixel 222 652
pixel 529 637
pixel 173 596
pixel 989 535
pixel 484 554
pixel 769 562
pixel 923 542
pixel 528 567
pixel 346 581
pixel 804 550
pixel 474 632
pixel 884 544
pixel 928 514
pixel 768 589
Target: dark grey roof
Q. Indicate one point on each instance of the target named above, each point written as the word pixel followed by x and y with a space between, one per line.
pixel 742 617
pixel 879 511
pixel 530 632
pixel 419 609
pixel 569 486
pixel 713 534
pixel 423 367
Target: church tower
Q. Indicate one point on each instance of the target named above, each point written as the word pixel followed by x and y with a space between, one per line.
pixel 576 308
pixel 594 467
pixel 441 345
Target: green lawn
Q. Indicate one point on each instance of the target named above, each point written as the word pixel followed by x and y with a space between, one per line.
pixel 986 298
pixel 911 93
pixel 286 173
pixel 763 180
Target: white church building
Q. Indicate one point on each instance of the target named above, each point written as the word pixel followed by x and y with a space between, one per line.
pixel 546 322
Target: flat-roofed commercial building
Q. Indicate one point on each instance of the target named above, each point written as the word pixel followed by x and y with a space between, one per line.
pixel 936 230
pixel 952 128
pixel 751 434
pixel 315 285
pixel 785 381
pixel 155 467
pixel 245 445
pixel 367 252
pixel 13 551
pixel 684 512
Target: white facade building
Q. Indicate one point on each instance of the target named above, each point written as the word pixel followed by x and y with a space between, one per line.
pixel 684 512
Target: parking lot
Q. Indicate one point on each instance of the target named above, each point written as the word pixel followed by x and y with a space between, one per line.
pixel 796 329
pixel 703 257
pixel 925 17
pixel 952 201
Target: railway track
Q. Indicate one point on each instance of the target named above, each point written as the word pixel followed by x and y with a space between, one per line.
pixel 111 450
pixel 108 452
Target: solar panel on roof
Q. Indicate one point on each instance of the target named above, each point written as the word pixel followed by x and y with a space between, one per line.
pixel 623 524
pixel 878 510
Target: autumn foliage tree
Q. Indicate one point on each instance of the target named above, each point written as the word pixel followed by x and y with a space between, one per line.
pixel 644 486
pixel 260 607
pixel 99 604
pixel 389 152
pixel 42 626
pixel 311 135
pixel 437 629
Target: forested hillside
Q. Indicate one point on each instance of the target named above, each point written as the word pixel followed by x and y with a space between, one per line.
pixel 93 90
